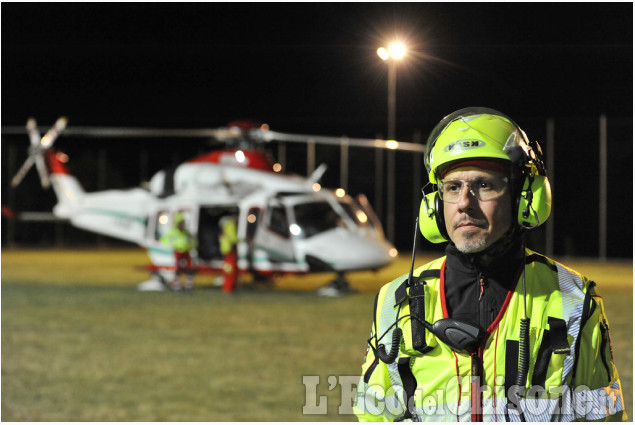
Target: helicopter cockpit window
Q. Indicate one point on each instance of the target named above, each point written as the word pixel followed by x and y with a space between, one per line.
pixel 356 213
pixel 278 222
pixel 315 217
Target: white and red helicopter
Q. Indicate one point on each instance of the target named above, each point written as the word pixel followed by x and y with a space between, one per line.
pixel 285 223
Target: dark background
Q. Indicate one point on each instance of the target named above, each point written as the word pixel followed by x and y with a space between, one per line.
pixel 313 68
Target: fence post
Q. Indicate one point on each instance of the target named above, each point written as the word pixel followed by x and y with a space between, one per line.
pixel 344 165
pixel 379 181
pixel 416 171
pixel 549 239
pixel 603 189
pixel 282 156
pixel 310 157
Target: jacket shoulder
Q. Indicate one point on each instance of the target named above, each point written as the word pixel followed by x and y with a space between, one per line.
pixel 392 285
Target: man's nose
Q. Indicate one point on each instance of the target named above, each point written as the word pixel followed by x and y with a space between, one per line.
pixel 466 198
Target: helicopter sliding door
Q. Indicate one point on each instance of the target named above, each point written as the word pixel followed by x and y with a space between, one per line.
pixel 273 242
pixel 209 231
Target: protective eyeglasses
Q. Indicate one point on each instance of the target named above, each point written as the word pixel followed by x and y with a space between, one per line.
pixel 482 188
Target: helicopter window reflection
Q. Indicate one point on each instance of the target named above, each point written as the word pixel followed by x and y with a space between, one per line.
pixel 315 217
pixel 355 213
pixel 278 222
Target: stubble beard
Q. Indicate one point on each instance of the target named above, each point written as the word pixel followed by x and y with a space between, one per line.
pixel 471 243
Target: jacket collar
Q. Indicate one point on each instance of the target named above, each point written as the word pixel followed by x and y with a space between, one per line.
pixel 502 260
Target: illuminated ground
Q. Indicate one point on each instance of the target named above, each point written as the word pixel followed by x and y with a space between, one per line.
pixel 80 343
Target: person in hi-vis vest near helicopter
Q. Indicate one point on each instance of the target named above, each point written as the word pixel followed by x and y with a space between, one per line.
pixel 491 331
pixel 228 240
pixel 179 238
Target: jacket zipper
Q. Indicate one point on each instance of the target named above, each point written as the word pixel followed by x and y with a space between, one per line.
pixel 475 393
pixel 481 282
pixel 476 357
pixel 483 314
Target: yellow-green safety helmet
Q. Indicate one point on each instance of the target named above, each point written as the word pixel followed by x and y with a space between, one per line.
pixel 484 134
pixel 473 134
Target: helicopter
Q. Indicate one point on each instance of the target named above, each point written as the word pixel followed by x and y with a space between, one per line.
pixel 286 224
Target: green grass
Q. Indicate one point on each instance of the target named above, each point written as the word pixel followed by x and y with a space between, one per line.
pixel 80 343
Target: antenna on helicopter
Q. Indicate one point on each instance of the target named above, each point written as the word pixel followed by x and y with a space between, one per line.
pixel 37 148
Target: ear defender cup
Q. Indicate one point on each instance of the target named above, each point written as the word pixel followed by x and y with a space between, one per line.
pixel 534 202
pixel 431 219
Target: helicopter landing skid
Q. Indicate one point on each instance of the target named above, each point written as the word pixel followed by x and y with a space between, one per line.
pixel 156 283
pixel 336 288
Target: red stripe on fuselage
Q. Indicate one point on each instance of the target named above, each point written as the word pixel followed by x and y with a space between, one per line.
pixel 248 159
pixel 54 164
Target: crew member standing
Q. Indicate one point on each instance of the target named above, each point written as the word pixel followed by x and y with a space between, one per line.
pixel 179 238
pixel 228 241
pixel 492 331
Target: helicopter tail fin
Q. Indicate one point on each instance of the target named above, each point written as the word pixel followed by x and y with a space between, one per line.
pixel 317 174
pixel 67 188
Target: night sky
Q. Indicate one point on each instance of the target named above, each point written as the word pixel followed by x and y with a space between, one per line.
pixel 313 68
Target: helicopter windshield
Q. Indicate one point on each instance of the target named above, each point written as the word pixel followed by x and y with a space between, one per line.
pixel 313 218
pixel 356 213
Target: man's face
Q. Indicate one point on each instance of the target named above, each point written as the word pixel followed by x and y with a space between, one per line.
pixel 472 224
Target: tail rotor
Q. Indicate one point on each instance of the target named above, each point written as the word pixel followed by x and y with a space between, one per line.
pixel 37 148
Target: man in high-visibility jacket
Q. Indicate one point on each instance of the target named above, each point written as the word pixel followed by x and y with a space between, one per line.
pixel 228 241
pixel 492 331
pixel 179 238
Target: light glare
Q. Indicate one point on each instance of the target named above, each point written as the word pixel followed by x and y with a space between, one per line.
pixel 392 144
pixel 383 53
pixel 340 192
pixel 397 50
pixel 361 216
pixel 295 229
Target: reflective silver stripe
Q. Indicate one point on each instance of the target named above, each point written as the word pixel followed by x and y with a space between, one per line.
pixel 590 404
pixel 540 410
pixel 386 319
pixel 572 290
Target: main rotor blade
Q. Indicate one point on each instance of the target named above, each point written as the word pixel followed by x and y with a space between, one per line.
pixel 351 141
pixel 42 171
pixel 34 133
pixel 49 138
pixel 151 132
pixel 22 171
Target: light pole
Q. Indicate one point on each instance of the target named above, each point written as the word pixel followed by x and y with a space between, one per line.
pixel 394 53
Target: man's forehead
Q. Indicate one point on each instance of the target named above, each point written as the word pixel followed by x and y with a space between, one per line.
pixel 471 171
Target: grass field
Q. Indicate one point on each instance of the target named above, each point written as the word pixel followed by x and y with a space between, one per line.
pixel 80 343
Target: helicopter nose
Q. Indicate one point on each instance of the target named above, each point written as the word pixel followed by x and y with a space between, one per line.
pixel 345 250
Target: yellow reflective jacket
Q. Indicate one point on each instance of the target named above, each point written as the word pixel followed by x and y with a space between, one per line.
pixel 228 237
pixel 571 375
pixel 180 240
